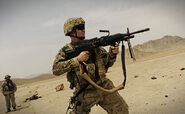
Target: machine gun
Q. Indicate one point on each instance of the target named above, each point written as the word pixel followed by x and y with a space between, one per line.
pixel 90 44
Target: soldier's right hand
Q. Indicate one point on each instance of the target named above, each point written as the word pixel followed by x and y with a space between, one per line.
pixel 83 56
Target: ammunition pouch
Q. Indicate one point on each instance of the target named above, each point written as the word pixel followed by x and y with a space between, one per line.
pixel 71 78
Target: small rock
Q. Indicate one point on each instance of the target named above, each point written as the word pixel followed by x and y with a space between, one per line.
pixel 153 78
pixel 19 105
pixel 136 76
pixel 166 95
pixel 182 68
pixel 59 87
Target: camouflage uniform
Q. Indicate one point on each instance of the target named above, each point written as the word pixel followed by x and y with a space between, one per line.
pixel 8 89
pixel 96 67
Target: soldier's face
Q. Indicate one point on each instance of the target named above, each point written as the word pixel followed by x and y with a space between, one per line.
pixel 80 33
pixel 7 78
pixel 80 30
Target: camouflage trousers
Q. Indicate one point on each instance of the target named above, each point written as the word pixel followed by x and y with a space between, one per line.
pixel 113 103
pixel 10 98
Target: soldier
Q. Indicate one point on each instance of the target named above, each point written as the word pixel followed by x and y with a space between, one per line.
pixel 8 89
pixel 95 64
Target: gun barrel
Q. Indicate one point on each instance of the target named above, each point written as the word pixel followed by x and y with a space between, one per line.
pixel 103 30
pixel 139 31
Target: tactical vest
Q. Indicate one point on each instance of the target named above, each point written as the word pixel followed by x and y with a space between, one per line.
pixel 94 67
pixel 9 86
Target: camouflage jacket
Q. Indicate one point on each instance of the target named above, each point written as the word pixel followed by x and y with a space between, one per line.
pixel 102 62
pixel 8 87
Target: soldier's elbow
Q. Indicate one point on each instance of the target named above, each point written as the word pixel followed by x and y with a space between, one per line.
pixel 57 72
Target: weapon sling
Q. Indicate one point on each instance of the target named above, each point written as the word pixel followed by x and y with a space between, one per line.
pixel 123 63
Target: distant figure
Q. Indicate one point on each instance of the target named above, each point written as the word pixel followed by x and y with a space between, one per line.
pixel 8 89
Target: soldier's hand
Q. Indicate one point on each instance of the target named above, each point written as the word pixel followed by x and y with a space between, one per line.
pixel 83 56
pixel 4 94
pixel 114 49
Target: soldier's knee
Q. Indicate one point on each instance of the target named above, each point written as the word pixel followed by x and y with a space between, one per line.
pixel 83 110
pixel 72 112
pixel 78 112
pixel 123 108
pixel 80 108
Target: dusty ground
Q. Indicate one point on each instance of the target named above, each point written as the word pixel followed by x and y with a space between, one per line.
pixel 164 95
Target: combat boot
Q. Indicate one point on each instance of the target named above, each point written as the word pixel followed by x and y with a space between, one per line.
pixel 14 108
pixel 8 110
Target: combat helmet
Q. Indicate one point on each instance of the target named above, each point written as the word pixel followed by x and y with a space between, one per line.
pixel 7 77
pixel 71 23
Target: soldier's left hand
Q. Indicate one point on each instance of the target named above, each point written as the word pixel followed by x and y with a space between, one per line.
pixel 114 49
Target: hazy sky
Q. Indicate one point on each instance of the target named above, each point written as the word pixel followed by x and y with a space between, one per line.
pixel 31 31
